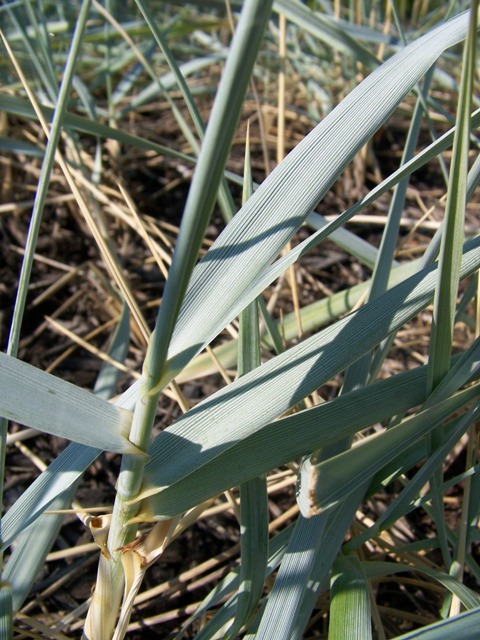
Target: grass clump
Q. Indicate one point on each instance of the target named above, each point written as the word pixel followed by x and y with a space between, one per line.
pixel 355 354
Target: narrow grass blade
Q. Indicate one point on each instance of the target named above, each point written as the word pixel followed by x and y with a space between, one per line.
pixel 12 145
pixel 453 236
pixel 126 85
pixel 450 251
pixel 21 107
pixel 277 547
pixel 40 197
pixel 254 545
pixel 405 502
pixel 42 68
pixel 352 245
pixel 362 250
pixel 386 253
pixel 292 579
pixel 254 550
pixel 41 194
pixel 65 471
pixel 350 616
pixel 225 200
pixel 468 597
pixel 357 374
pixel 168 81
pixel 36 541
pixel 315 543
pixel 62 472
pixel 329 31
pixel 61 408
pixel 208 174
pixel 314 317
pixel 338 523
pixel 217 626
pixel 459 374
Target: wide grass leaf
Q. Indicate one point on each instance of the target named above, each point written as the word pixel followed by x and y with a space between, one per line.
pixel 256 235
pixel 340 475
pixel 350 616
pixel 39 400
pixel 253 401
pixel 297 435
pixel 35 543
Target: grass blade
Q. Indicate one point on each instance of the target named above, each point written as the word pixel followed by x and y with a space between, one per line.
pixel 70 465
pixel 450 250
pixel 205 431
pixel 470 599
pixel 288 609
pixel 464 626
pixel 208 174
pixel 32 548
pixel 297 435
pixel 341 474
pixel 200 201
pixel 350 615
pixel 253 493
pixel 22 108
pixel 453 236
pixel 325 29
pixel 280 205
pixel 6 608
pixel 61 408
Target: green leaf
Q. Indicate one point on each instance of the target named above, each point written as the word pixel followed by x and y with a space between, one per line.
pixel 304 571
pixel 405 502
pixel 44 179
pixel 325 29
pixel 32 547
pixel 208 176
pixel 314 316
pixel 37 539
pixel 231 582
pixel 21 107
pixel 6 616
pixel 297 435
pixel 464 626
pixel 61 408
pixel 232 414
pixel 341 474
pixel 255 236
pixel 13 145
pixel 453 234
pixel 253 492
pixel 350 616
